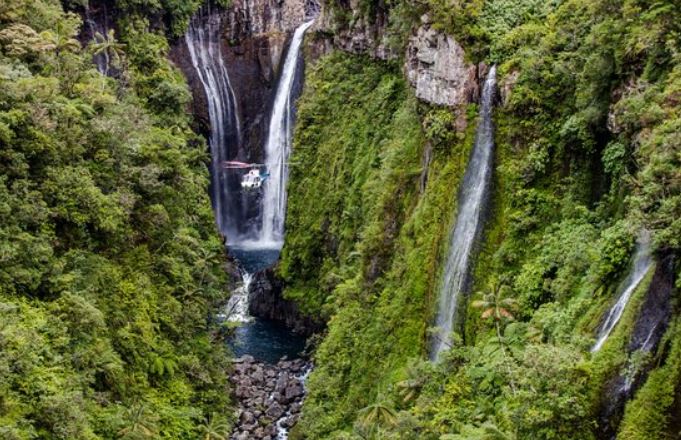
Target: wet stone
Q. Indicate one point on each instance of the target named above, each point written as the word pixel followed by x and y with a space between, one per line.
pixel 269 396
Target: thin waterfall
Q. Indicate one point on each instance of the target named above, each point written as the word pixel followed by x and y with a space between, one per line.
pixel 473 197
pixel 96 28
pixel 237 307
pixel 203 43
pixel 278 148
pixel 642 263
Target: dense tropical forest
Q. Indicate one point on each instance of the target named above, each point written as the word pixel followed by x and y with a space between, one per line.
pixel 110 265
pixel 588 153
pixel 113 272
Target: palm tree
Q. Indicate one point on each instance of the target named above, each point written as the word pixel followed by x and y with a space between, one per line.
pixel 496 304
pixel 215 428
pixel 206 260
pixel 109 48
pixel 376 415
pixel 62 38
pixel 141 423
pixel 409 388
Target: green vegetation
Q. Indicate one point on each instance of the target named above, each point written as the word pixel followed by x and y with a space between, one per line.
pixel 375 271
pixel 109 260
pixel 110 265
pixel 587 155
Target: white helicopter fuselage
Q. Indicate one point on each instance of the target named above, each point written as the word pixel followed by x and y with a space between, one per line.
pixel 252 180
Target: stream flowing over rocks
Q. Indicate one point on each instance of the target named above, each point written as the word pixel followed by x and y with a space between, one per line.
pixel 269 397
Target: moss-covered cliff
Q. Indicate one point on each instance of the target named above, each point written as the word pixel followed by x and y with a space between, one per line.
pixel 587 155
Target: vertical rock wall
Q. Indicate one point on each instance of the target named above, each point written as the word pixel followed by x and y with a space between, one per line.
pixel 255 34
pixel 436 68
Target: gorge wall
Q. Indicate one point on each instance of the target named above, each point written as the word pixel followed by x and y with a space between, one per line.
pixel 385 130
pixel 254 35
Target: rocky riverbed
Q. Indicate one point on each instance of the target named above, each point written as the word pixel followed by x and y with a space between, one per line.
pixel 269 397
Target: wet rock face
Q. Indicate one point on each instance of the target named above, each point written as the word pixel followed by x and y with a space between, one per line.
pixel 254 17
pixel 254 35
pixel 436 68
pixel 649 328
pixel 356 33
pixel 434 62
pixel 266 300
pixel 270 396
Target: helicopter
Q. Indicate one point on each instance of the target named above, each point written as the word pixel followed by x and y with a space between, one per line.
pixel 255 176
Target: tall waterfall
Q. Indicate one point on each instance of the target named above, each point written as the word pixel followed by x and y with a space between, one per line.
pixel 473 197
pixel 278 148
pixel 203 42
pixel 642 263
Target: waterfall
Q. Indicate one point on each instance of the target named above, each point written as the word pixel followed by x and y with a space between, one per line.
pixel 203 42
pixel 473 197
pixel 278 148
pixel 237 307
pixel 640 267
pixel 97 27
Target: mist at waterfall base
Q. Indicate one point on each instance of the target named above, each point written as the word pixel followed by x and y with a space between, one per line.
pixel 472 201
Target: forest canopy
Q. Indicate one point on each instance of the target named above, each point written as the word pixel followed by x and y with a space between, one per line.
pixel 110 264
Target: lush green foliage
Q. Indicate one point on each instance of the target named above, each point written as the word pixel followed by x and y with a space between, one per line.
pixel 109 262
pixel 587 154
pixel 654 411
pixel 358 131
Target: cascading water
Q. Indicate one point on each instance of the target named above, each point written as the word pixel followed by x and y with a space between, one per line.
pixel 642 263
pixel 278 148
pixel 473 197
pixel 281 424
pixel 237 307
pixel 203 42
pixel 97 28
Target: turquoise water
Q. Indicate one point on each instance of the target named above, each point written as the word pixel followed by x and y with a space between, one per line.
pixel 254 260
pixel 265 340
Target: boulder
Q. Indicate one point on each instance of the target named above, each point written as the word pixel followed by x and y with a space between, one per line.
pixel 275 411
pixel 294 390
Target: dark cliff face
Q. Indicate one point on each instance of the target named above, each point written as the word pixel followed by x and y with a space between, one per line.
pixel 254 36
pixel 266 301
pixel 650 326
pixel 251 76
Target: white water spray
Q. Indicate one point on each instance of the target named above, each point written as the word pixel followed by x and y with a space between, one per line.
pixel 642 263
pixel 203 42
pixel 237 307
pixel 98 28
pixel 282 429
pixel 472 199
pixel 278 148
